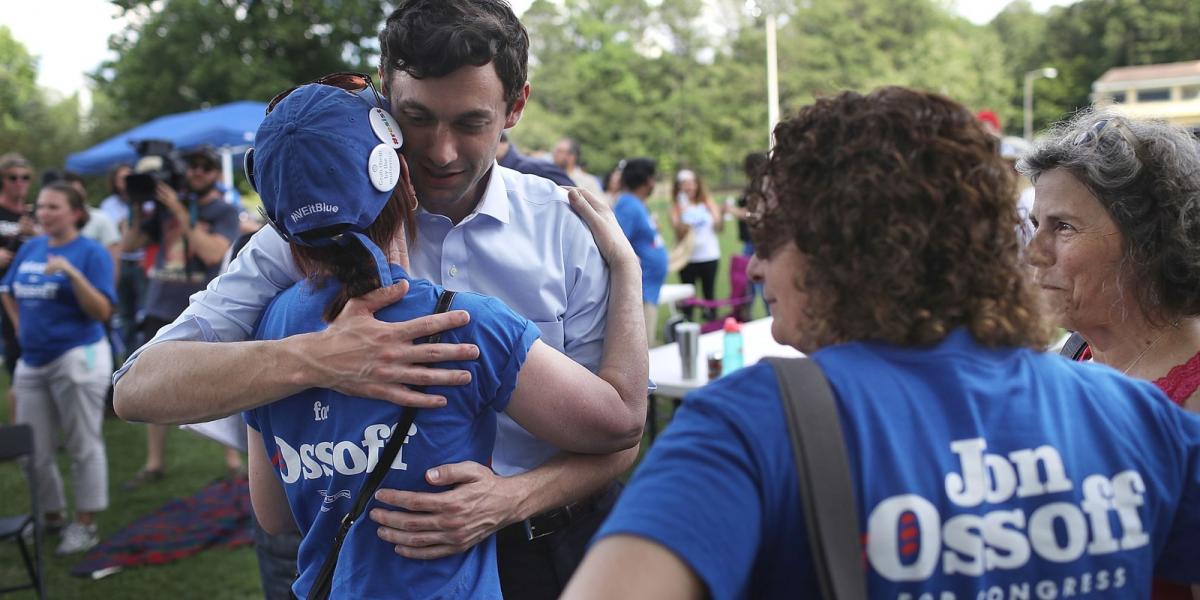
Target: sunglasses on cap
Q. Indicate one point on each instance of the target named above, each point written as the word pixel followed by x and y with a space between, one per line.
pixel 346 80
pixel 349 81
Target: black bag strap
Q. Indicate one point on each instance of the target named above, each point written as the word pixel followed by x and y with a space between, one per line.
pixel 826 489
pixel 324 583
pixel 1073 347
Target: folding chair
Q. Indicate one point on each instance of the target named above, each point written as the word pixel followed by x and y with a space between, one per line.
pixel 16 441
pixel 739 299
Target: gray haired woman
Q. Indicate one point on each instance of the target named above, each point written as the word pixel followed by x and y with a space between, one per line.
pixel 1116 250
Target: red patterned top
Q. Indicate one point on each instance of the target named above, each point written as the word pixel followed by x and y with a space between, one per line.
pixel 1179 384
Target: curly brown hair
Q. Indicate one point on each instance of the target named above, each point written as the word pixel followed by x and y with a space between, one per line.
pixel 906 214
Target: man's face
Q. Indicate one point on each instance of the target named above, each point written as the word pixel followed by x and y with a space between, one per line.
pixel 451 128
pixel 562 155
pixel 16 183
pixel 202 175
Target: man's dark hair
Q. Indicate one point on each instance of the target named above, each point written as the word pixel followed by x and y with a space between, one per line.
pixel 433 38
pixel 637 172
pixel 57 175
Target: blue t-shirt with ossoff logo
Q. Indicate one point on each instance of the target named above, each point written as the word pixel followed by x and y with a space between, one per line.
pixel 979 474
pixel 51 320
pixel 324 443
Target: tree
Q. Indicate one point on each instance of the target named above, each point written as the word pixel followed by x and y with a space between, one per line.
pixel 185 54
pixel 32 122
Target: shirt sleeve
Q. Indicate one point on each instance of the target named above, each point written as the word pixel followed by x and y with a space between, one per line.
pixel 98 269
pixel 587 298
pixel 228 309
pixel 698 495
pixel 504 339
pixel 11 274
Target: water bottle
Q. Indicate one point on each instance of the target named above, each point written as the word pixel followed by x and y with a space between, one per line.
pixel 731 359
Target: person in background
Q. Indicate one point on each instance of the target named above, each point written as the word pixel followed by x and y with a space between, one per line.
pixel 16 226
pixel 637 184
pixel 1116 250
pixel 694 213
pixel 99 227
pixel 194 228
pixel 131 277
pixel 58 292
pixel 981 465
pixel 1012 148
pixel 751 165
pixel 567 155
pixel 612 182
pixel 509 157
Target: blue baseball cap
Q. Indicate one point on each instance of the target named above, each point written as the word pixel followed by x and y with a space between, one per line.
pixel 325 162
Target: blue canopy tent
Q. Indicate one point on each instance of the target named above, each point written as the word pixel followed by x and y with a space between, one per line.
pixel 229 128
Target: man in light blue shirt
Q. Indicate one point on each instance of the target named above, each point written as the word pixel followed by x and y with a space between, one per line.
pixel 482 228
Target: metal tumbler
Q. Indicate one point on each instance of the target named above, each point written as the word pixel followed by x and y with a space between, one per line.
pixel 688 337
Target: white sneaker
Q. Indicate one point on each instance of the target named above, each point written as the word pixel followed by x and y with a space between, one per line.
pixel 77 537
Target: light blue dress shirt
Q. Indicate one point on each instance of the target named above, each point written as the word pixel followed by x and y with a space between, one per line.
pixel 523 244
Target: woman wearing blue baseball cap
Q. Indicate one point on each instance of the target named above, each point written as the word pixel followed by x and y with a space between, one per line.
pixel 334 184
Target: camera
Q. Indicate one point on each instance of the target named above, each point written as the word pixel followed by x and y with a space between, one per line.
pixel 158 161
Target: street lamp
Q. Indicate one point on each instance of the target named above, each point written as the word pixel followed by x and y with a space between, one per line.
pixel 1048 73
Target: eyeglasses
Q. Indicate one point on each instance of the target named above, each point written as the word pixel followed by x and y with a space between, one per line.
pixel 347 80
pixel 22 177
pixel 201 167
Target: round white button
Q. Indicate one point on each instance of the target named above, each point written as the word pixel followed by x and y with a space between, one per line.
pixel 453 271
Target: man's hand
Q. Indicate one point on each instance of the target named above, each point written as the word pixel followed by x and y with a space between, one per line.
pixel 170 200
pixel 359 355
pixel 442 524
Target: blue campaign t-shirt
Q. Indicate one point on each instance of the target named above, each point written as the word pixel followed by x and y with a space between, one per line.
pixel 324 443
pixel 979 473
pixel 635 221
pixel 52 321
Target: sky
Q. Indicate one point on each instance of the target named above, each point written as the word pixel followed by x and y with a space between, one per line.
pixel 88 24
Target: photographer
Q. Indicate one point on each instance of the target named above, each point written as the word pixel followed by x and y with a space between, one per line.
pixel 194 228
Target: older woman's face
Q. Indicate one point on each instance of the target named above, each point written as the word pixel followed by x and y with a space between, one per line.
pixel 1076 253
pixel 779 273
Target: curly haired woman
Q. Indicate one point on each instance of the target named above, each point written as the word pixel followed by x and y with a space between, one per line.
pixel 982 467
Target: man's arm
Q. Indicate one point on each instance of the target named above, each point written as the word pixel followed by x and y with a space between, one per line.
pixel 183 376
pixel 358 355
pixel 482 502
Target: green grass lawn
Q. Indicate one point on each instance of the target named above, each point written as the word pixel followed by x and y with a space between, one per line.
pixel 193 462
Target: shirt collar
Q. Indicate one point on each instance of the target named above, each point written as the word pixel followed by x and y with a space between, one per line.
pixel 495 203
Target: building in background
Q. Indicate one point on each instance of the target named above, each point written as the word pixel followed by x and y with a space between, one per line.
pixel 1168 91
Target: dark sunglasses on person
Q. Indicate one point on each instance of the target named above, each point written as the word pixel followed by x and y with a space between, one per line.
pixel 22 177
pixel 1096 132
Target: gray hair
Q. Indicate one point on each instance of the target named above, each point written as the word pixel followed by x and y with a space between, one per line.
pixel 1146 174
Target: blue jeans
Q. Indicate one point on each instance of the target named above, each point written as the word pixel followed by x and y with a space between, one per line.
pixel 276 562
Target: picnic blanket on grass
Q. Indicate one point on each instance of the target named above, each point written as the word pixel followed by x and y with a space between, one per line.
pixel 216 516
